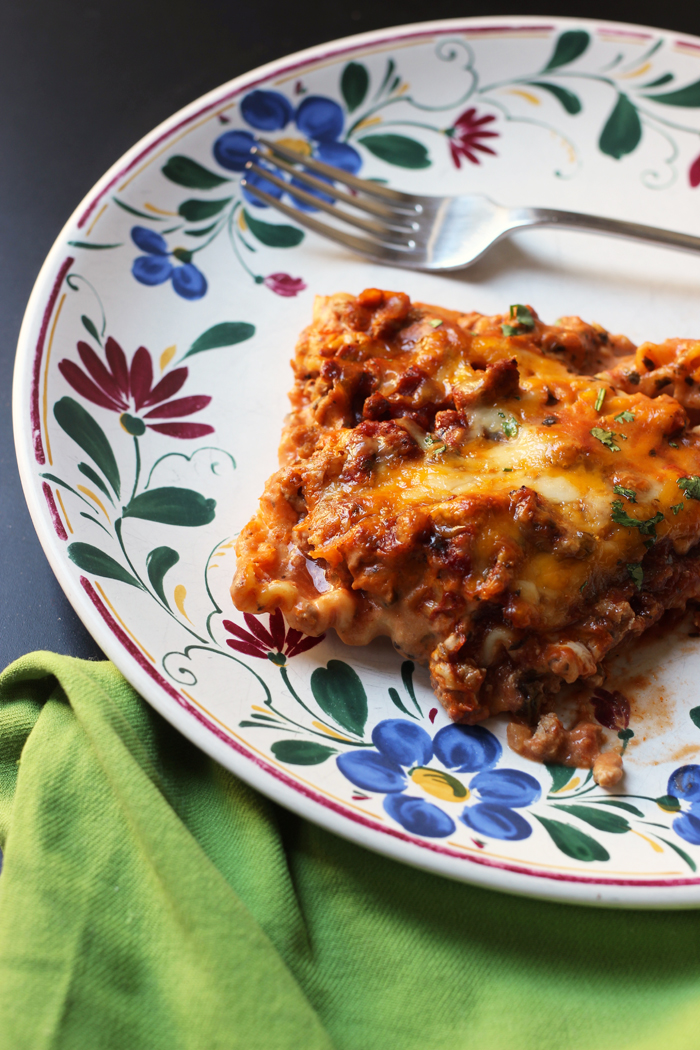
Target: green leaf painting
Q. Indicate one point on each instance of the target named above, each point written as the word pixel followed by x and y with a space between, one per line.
pixel 202 231
pixel 354 83
pixel 627 806
pixel 135 211
pixel 623 130
pixel 669 803
pixel 614 823
pixel 158 562
pixel 398 150
pixel 660 81
pixel 194 210
pixel 572 842
pixel 273 235
pixel 86 432
pixel 396 700
pixel 93 247
pixel 301 752
pixel 561 775
pixel 570 101
pixel 681 853
pixel 172 506
pixel 187 172
pixel 407 669
pixel 569 46
pixel 689 96
pixel 695 716
pixel 90 327
pixel 93 560
pixel 95 478
pixel 340 694
pixel 227 333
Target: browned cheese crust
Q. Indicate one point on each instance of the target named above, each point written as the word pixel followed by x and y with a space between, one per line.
pixel 505 507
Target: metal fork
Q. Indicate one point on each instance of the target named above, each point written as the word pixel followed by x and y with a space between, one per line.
pixel 413 231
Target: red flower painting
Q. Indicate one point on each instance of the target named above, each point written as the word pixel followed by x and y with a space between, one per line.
pixel 277 644
pixel 283 284
pixel 129 390
pixel 466 134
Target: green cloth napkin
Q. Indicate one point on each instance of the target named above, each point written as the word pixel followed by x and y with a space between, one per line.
pixel 150 900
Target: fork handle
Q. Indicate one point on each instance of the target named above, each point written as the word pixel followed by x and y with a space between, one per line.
pixel 572 220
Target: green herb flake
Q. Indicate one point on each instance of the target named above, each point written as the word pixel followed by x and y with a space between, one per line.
pixel 600 399
pixel 624 417
pixel 673 444
pixel 433 444
pixel 677 507
pixel 524 321
pixel 510 427
pixel 629 494
pixel 507 470
pixel 606 437
pixel 691 486
pixel 636 574
pixel 646 527
pixel 435 322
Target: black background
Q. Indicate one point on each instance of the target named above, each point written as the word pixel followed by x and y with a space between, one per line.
pixel 81 82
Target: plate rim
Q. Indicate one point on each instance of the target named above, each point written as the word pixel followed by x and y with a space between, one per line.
pixel 508 877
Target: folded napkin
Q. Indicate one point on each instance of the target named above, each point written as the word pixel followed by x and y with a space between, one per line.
pixel 151 900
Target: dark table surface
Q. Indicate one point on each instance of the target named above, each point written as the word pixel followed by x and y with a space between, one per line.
pixel 82 80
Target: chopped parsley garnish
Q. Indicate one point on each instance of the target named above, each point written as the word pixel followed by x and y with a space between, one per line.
pixel 624 417
pixel 435 322
pixel 691 486
pixel 629 494
pixel 606 437
pixel 434 444
pixel 636 573
pixel 583 586
pixel 509 425
pixel 507 470
pixel 677 507
pixel 646 528
pixel 673 444
pixel 524 321
pixel 600 399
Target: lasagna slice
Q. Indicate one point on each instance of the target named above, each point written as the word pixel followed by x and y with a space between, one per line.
pixel 507 500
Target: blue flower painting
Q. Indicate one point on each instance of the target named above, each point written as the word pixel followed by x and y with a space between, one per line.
pixel 684 784
pixel 400 762
pixel 156 267
pixel 319 119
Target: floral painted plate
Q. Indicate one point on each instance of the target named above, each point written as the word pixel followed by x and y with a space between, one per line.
pixel 151 384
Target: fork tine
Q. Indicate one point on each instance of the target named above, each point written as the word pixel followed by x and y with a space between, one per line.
pixel 377 229
pixel 377 207
pixel 362 185
pixel 358 244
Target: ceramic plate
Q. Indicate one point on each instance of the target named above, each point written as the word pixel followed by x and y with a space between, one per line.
pixel 151 382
